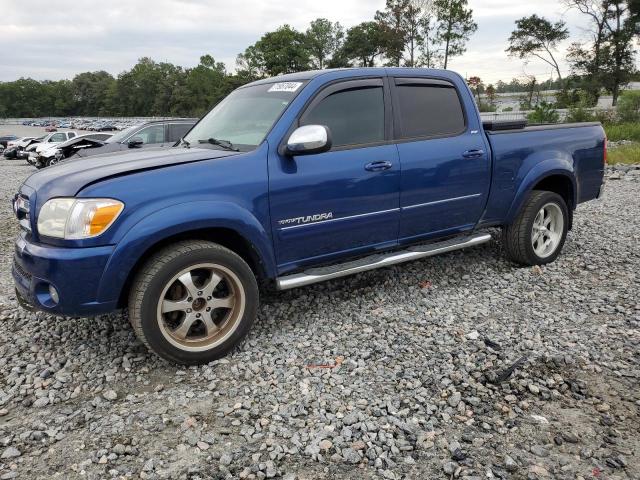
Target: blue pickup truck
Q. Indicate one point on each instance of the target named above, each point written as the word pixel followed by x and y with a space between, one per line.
pixel 290 181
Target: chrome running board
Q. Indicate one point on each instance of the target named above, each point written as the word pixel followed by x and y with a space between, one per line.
pixel 315 275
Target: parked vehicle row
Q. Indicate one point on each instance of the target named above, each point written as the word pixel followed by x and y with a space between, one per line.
pixel 59 146
pixel 95 125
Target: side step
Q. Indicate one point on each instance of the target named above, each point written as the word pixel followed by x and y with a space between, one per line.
pixel 372 262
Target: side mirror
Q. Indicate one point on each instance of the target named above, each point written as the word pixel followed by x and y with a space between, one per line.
pixel 309 139
pixel 135 142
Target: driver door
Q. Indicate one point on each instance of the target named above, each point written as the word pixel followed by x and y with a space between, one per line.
pixel 345 201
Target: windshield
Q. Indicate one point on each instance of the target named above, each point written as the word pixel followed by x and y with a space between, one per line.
pixel 121 135
pixel 245 117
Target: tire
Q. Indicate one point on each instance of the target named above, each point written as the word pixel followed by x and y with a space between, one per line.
pixel 193 301
pixel 52 161
pixel 522 238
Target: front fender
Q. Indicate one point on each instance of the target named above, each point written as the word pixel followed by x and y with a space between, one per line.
pixel 174 220
pixel 536 168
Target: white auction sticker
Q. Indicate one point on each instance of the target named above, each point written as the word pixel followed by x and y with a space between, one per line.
pixel 285 87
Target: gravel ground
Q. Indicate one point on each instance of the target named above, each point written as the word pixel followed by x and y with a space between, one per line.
pixel 458 366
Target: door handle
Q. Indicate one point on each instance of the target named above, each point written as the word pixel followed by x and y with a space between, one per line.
pixel 378 166
pixel 473 154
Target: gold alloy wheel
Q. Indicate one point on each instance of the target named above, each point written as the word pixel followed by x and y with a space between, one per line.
pixel 200 307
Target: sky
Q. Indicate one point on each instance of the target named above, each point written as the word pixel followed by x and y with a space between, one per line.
pixel 46 39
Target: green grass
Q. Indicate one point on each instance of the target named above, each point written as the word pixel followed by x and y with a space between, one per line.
pixel 623 131
pixel 628 154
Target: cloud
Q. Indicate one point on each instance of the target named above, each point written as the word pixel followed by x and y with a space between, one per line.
pixel 52 40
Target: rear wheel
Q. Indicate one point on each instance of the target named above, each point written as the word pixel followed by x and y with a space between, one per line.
pixel 537 235
pixel 193 302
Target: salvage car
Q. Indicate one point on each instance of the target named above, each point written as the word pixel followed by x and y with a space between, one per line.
pixel 49 140
pixel 56 153
pixel 290 181
pixel 19 142
pixel 158 133
pixel 15 147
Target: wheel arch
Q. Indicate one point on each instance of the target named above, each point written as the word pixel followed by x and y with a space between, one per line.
pixel 229 226
pixel 558 179
pixel 226 237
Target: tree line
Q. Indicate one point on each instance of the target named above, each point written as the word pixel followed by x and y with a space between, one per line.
pixel 411 33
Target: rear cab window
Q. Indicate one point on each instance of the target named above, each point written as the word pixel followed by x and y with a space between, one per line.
pixel 427 108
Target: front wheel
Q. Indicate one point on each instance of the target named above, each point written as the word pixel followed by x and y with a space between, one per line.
pixel 537 235
pixel 52 161
pixel 192 302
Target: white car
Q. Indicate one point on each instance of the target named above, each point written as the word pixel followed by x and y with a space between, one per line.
pixel 19 142
pixel 56 152
pixel 54 138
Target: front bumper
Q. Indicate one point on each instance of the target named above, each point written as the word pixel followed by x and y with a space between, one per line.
pixel 75 273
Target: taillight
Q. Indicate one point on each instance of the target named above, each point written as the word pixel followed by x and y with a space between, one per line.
pixel 604 159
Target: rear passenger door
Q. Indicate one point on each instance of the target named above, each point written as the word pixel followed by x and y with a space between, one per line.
pixel 445 164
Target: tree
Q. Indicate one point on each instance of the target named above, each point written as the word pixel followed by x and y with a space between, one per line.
pixel 535 36
pixel 431 55
pixel 475 83
pixel 198 89
pixel 490 92
pixel 323 39
pixel 532 89
pixel 634 11
pixel 455 27
pixel 282 51
pixel 393 29
pixel 363 44
pixel 608 60
pixel 408 28
pixel 250 64
pixel 90 92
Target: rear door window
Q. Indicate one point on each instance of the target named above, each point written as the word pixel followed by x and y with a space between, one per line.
pixel 428 110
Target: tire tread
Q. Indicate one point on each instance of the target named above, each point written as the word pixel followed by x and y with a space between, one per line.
pixel 151 268
pixel 515 237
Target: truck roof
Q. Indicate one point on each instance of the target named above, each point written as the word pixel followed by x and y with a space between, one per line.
pixel 311 74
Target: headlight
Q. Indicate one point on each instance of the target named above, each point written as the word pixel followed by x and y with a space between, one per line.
pixel 74 219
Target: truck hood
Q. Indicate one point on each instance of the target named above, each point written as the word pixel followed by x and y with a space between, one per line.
pixel 68 178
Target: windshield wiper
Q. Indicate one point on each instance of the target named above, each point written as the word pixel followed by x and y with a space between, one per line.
pixel 226 144
pixel 185 143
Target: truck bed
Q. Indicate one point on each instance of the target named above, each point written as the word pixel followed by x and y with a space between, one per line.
pixel 520 153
